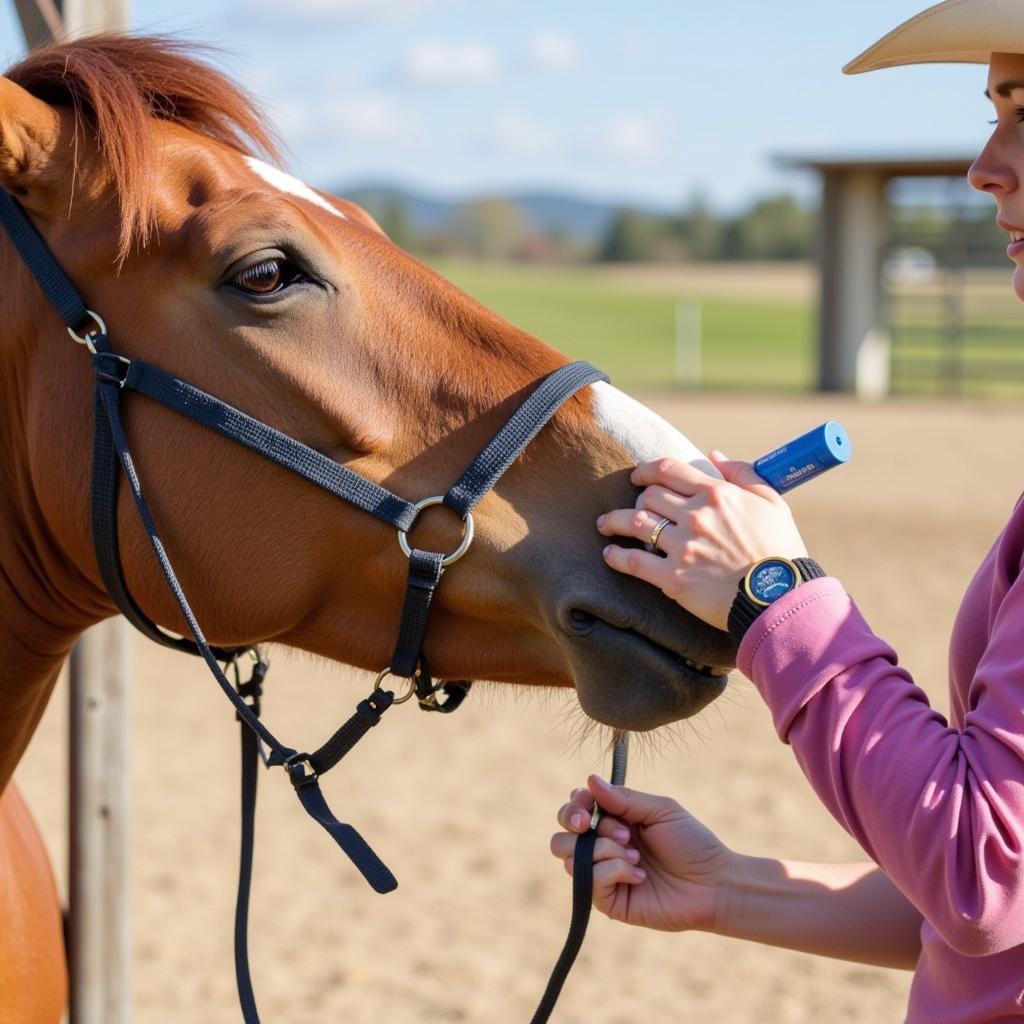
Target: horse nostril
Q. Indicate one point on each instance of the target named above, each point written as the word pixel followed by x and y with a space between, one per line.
pixel 582 622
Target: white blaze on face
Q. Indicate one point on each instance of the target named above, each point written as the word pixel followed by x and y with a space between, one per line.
pixel 286 183
pixel 644 434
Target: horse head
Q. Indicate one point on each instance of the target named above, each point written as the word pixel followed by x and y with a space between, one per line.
pixel 136 163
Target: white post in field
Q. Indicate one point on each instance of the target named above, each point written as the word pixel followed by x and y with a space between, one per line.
pixel 689 345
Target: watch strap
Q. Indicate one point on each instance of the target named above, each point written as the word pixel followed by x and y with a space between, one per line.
pixel 744 611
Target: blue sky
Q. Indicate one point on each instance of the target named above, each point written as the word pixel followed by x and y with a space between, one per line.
pixel 645 101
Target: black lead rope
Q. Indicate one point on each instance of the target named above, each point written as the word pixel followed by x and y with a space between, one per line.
pixel 582 894
pixel 582 897
pixel 115 374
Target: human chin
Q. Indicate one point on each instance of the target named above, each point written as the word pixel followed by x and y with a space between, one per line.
pixel 1018 281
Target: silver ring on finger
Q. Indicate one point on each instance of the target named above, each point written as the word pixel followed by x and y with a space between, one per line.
pixel 656 532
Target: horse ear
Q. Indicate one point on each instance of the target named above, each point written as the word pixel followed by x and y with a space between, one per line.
pixel 29 131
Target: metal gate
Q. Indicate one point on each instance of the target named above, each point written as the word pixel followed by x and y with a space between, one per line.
pixel 957 328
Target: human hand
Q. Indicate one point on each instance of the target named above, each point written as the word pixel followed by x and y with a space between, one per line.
pixel 718 529
pixel 655 864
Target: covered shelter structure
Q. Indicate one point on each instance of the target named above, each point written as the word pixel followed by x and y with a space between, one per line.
pixel 853 335
pixel 43 20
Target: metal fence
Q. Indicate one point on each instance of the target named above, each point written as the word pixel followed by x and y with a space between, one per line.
pixel 957 328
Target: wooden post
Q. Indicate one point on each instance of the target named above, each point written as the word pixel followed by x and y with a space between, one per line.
pixel 853 342
pixel 40 21
pixel 99 855
pixel 99 785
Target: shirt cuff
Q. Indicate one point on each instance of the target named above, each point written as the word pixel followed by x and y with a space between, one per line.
pixel 797 644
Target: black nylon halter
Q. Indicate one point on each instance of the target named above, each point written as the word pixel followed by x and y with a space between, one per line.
pixel 116 373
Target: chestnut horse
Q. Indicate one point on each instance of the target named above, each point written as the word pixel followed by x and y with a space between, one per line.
pixel 136 163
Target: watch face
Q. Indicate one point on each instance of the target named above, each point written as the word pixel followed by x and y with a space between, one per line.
pixel 771 579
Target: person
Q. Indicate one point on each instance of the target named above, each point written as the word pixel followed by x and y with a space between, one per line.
pixel 938 807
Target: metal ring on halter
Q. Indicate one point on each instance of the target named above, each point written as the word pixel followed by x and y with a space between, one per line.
pixel 87 341
pixel 467 536
pixel 405 696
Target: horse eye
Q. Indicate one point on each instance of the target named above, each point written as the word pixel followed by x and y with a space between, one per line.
pixel 267 277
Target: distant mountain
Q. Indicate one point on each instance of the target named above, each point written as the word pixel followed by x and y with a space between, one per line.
pixel 580 218
pixel 425 213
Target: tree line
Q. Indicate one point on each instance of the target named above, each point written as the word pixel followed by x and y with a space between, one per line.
pixel 773 228
pixel 777 227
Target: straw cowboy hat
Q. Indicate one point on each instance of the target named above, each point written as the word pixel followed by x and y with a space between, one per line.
pixel 954 32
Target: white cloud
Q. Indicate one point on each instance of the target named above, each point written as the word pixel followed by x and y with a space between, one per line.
pixel 369 118
pixel 434 60
pixel 291 118
pixel 634 137
pixel 304 14
pixel 521 136
pixel 553 50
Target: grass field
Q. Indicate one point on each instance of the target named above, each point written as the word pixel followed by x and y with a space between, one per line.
pixel 626 324
pixel 757 324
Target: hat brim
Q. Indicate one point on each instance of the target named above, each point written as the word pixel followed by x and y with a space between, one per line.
pixel 953 32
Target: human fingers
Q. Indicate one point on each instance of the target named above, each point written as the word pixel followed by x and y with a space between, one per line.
pixel 663 502
pixel 630 805
pixel 563 844
pixel 575 817
pixel 684 478
pixel 639 523
pixel 650 568
pixel 743 475
pixel 608 874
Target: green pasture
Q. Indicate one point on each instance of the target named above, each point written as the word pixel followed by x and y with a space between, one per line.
pixel 627 326
pixel 630 332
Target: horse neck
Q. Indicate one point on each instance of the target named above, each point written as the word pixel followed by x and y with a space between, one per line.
pixel 45 601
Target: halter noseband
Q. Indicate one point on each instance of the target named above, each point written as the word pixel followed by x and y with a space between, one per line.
pixel 116 373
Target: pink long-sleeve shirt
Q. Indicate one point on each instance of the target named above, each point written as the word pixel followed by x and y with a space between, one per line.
pixel 938 805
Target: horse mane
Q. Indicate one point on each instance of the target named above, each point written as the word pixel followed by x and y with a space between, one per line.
pixel 116 84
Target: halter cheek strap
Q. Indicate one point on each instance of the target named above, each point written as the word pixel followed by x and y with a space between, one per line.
pixel 116 374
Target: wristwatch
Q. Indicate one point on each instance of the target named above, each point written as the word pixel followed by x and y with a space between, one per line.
pixel 765 582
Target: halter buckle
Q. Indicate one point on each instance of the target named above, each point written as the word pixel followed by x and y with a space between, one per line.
pixel 119 364
pixel 467 533
pixel 454 692
pixel 296 764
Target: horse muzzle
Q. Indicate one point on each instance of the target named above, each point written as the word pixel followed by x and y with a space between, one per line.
pixel 642 663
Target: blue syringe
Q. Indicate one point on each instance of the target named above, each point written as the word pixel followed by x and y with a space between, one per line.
pixel 810 455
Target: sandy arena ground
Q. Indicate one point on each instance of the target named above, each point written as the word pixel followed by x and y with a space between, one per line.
pixel 462 808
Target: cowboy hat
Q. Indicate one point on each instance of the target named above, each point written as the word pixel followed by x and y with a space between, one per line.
pixel 954 32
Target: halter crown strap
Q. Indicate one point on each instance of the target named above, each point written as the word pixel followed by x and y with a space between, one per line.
pixel 522 427
pixel 56 285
